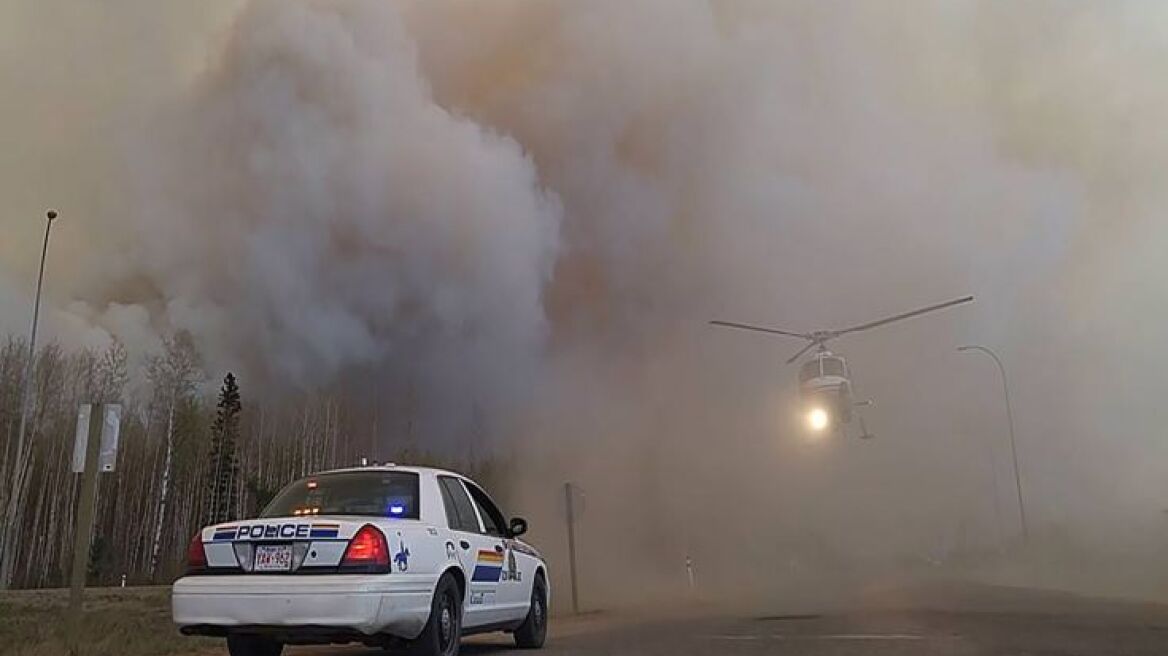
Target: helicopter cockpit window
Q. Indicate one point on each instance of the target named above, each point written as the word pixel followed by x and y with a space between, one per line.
pixel 808 371
pixel 833 367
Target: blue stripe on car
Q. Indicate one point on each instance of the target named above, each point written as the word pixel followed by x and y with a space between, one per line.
pixel 483 573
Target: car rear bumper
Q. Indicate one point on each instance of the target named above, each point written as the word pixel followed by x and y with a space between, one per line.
pixel 306 608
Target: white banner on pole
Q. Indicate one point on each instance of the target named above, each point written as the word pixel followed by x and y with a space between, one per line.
pixel 81 438
pixel 110 431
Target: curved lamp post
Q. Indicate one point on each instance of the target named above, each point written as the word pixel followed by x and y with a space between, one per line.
pixel 1010 419
pixel 12 512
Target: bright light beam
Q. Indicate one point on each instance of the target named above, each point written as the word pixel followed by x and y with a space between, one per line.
pixel 817 419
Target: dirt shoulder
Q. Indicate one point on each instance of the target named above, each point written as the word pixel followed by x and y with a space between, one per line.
pixel 115 622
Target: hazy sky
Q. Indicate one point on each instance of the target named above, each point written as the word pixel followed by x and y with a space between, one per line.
pixel 531 211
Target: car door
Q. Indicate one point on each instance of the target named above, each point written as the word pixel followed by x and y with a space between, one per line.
pixel 477 554
pixel 514 592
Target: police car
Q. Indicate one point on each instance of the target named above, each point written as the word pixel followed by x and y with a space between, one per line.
pixel 383 555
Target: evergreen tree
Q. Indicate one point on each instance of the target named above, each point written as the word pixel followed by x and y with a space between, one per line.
pixel 222 498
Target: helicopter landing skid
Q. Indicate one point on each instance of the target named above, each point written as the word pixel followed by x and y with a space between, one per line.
pixel 864 434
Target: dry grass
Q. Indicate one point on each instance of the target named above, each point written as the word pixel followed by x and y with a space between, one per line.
pixel 116 622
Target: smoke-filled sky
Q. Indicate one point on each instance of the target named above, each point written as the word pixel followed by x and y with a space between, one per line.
pixel 529 209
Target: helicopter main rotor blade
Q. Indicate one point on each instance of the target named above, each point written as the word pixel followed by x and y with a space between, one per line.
pixel 760 329
pixel 803 350
pixel 901 317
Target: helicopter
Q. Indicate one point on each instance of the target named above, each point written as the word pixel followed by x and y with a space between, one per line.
pixel 825 382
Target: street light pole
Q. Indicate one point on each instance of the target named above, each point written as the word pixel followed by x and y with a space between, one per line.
pixel 1010 420
pixel 997 501
pixel 6 542
pixel 51 215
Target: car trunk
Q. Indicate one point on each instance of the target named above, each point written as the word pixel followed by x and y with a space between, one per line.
pixel 285 545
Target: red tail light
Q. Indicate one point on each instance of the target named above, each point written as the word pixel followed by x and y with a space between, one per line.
pixel 196 555
pixel 367 552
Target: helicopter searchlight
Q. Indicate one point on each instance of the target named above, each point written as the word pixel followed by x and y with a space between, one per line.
pixel 818 419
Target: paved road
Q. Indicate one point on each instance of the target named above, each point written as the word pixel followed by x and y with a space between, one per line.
pixel 946 620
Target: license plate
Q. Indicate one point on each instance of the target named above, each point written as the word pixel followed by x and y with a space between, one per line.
pixel 273 558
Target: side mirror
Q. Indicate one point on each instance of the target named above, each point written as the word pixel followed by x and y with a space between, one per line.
pixel 517 527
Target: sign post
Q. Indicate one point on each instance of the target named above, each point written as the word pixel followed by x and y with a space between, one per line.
pixel 95 449
pixel 91 448
pixel 572 545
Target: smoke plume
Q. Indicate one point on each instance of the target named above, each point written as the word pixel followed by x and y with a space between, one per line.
pixel 527 212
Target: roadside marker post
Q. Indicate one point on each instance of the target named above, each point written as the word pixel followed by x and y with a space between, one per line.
pixel 94 450
pixel 570 506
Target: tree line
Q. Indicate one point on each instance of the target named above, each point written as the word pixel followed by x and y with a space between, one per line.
pixel 187 457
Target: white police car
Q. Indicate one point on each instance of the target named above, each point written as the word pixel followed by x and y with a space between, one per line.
pixel 383 555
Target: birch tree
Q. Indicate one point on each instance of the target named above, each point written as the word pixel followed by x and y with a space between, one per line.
pixel 158 495
pixel 175 376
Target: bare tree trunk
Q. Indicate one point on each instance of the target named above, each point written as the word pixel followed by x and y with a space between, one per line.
pixel 164 494
pixel 15 515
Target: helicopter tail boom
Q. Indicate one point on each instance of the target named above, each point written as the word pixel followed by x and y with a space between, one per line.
pixel 803 350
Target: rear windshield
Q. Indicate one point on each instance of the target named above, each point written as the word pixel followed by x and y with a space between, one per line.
pixel 365 493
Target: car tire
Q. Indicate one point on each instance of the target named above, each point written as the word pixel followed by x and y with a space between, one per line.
pixel 253 645
pixel 443 631
pixel 533 631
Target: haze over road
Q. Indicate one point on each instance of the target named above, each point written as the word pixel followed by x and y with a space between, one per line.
pixel 950 619
pixel 288 238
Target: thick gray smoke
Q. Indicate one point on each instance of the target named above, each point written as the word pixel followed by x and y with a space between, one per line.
pixel 325 213
pixel 530 211
pixel 304 208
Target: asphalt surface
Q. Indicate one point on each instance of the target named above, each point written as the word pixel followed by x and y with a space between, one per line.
pixel 957 620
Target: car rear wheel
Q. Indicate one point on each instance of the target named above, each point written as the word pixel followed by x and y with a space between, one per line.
pixel 252 645
pixel 443 630
pixel 533 631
